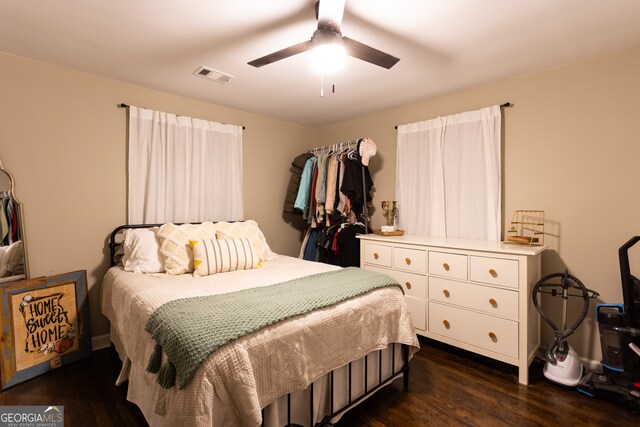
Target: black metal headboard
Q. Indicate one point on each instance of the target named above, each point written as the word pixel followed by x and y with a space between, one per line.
pixel 114 244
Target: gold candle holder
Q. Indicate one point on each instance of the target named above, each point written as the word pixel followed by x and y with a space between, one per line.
pixel 390 212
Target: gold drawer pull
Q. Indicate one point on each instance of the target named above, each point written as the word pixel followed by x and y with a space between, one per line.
pixel 408 261
pixel 446 324
pixel 493 302
pixel 446 293
pixel 493 273
pixel 493 337
pixel 375 255
pixel 408 285
pixel 445 266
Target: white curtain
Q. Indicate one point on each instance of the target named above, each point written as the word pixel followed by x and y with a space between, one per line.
pixel 183 169
pixel 448 176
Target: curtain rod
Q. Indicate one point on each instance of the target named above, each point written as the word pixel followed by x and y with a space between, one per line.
pixel 505 105
pixel 123 105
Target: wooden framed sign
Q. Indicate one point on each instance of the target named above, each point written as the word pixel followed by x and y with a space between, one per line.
pixel 45 325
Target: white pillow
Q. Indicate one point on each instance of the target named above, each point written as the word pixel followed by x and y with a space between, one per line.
pixel 142 251
pixel 211 256
pixel 250 230
pixel 175 248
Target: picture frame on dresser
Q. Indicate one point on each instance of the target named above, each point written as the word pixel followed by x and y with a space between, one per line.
pixel 472 294
pixel 44 325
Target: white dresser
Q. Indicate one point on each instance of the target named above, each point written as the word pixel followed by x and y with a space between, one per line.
pixel 472 294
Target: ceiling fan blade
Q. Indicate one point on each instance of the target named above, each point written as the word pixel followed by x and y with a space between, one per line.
pixel 281 54
pixel 369 54
pixel 330 13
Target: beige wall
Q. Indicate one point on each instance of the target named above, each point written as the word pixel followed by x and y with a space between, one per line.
pixel 571 148
pixel 64 140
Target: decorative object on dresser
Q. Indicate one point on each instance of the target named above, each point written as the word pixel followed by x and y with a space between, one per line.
pixel 527 228
pixel 472 294
pixel 390 213
pixel 45 325
pixel 381 232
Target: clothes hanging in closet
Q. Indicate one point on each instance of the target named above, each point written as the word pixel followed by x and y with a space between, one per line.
pixel 329 183
pixel 330 196
pixel 338 244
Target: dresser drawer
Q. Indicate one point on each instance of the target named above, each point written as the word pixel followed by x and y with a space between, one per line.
pixel 448 265
pixel 499 302
pixel 377 254
pixel 480 330
pixel 410 259
pixel 412 284
pixel 417 309
pixel 495 271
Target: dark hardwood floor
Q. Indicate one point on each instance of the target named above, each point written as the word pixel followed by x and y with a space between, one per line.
pixel 449 387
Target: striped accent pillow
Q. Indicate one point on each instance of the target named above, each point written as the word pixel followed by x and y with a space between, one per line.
pixel 211 256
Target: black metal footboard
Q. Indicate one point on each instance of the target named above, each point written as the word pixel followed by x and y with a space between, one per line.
pixel 403 369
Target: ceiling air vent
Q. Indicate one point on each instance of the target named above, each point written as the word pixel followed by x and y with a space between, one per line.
pixel 211 74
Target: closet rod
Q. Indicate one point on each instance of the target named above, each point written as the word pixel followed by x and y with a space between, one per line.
pixel 123 105
pixel 505 105
pixel 348 144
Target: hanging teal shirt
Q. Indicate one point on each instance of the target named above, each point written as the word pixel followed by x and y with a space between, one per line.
pixel 305 185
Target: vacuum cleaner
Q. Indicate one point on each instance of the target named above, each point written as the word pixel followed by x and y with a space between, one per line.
pixel 619 327
pixel 563 365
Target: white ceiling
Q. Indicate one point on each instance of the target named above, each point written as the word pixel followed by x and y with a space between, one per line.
pixel 444 46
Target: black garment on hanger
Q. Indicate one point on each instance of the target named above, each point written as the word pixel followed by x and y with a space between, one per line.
pixel 325 245
pixel 349 246
pixel 352 184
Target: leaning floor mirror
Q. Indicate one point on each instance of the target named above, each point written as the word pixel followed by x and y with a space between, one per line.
pixel 13 254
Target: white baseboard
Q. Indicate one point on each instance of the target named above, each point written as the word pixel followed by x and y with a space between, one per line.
pixel 99 342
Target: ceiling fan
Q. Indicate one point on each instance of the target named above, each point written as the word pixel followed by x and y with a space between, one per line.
pixel 329 14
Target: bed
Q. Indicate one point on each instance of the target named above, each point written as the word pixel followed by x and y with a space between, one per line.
pixel 307 370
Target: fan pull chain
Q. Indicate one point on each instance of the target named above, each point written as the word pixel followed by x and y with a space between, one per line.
pixel 333 86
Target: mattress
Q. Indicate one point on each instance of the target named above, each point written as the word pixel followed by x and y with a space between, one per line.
pixel 235 382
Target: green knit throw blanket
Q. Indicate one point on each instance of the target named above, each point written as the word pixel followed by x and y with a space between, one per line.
pixel 190 329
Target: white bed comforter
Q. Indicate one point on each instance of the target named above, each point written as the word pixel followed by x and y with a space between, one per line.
pixel 239 379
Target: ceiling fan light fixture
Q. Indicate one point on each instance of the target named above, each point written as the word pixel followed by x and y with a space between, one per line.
pixel 328 58
pixel 329 14
pixel 328 53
